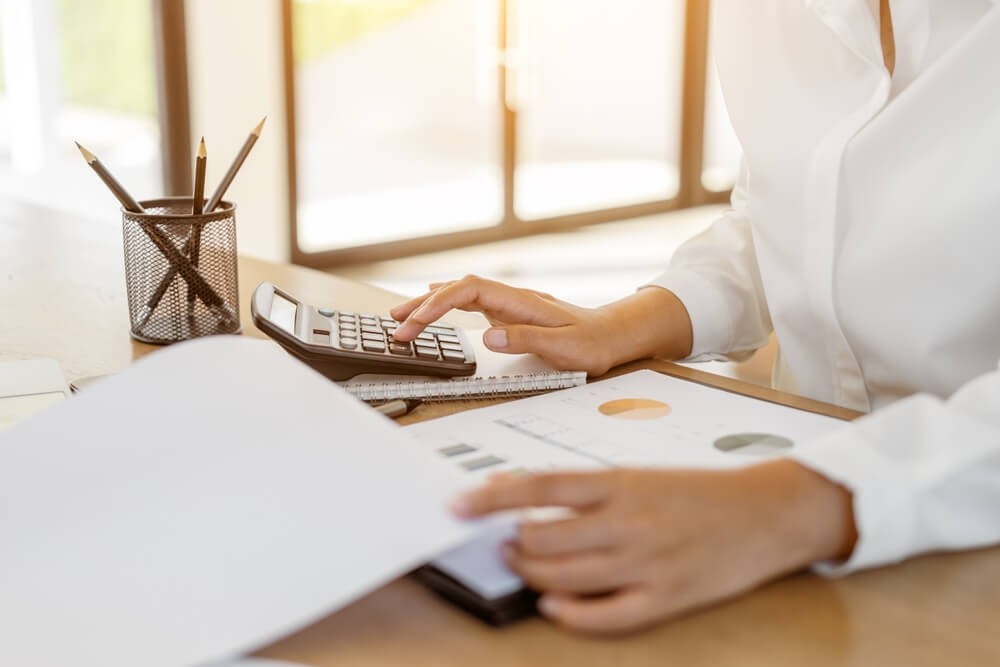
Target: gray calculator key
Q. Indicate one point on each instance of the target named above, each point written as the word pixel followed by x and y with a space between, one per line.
pixel 348 326
pixel 426 352
pixel 426 336
pixel 402 349
pixel 386 322
pixel 448 338
pixel 327 312
pixel 367 328
pixel 452 355
pixel 377 337
pixel 373 346
pixel 454 347
pixel 349 343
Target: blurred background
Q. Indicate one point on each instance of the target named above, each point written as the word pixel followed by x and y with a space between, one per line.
pixel 566 144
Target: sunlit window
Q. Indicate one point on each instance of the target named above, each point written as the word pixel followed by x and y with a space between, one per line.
pixel 82 71
pixel 398 129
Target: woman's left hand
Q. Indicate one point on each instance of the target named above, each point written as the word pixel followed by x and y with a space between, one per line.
pixel 645 545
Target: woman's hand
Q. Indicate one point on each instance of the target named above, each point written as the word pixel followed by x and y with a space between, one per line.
pixel 645 545
pixel 650 323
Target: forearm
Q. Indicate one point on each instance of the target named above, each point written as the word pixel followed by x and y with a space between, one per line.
pixel 650 323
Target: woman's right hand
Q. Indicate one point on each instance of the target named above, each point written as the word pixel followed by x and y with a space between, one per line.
pixel 568 337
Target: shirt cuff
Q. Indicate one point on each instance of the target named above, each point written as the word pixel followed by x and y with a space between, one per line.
pixel 882 500
pixel 706 306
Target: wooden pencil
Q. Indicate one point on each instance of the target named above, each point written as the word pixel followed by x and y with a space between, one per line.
pixel 234 168
pixel 119 191
pixel 198 205
pixel 196 209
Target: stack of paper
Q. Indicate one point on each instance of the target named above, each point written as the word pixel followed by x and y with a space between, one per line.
pixel 208 500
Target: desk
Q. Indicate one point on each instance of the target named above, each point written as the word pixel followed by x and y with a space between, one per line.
pixel 63 296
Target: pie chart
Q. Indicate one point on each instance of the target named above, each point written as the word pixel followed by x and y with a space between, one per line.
pixel 635 409
pixel 753 444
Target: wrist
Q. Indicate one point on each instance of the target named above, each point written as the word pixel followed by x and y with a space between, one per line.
pixel 650 323
pixel 815 515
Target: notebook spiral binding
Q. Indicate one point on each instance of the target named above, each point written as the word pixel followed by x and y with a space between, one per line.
pixel 474 388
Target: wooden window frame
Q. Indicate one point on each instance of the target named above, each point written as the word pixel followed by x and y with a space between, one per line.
pixel 173 95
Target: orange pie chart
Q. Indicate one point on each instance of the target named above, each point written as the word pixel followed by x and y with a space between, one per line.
pixel 635 408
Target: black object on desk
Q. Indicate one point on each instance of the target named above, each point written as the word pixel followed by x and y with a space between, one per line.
pixel 499 611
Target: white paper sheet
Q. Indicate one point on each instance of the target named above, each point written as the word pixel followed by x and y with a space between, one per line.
pixel 210 499
pixel 567 430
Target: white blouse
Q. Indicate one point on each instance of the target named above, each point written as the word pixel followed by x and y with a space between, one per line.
pixel 865 232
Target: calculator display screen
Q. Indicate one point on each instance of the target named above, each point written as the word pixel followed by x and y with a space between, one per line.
pixel 283 313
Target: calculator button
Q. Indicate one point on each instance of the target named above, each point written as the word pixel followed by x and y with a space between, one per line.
pixel 349 343
pixel 376 337
pixel 426 337
pixel 434 329
pixel 373 346
pixel 348 326
pixel 386 323
pixel 448 338
pixel 369 329
pixel 346 314
pixel 452 355
pixel 402 349
pixel 427 353
pixel 454 347
pixel 327 312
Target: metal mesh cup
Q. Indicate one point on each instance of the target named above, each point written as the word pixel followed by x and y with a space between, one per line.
pixel 180 271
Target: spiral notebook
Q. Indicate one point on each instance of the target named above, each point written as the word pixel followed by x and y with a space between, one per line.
pixel 497 375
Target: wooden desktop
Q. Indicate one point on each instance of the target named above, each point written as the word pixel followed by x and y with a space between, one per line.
pixel 63 296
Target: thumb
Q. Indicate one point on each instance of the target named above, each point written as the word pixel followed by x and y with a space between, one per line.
pixel 546 342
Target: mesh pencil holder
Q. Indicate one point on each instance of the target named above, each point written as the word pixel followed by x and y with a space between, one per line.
pixel 180 271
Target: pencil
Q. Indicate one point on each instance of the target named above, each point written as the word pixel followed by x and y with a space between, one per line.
pixel 120 193
pixel 196 209
pixel 199 179
pixel 234 168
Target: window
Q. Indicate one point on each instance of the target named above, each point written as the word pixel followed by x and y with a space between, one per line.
pixel 426 124
pixel 595 88
pixel 397 123
pixel 77 71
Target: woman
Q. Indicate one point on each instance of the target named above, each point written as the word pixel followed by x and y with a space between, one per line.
pixel 864 232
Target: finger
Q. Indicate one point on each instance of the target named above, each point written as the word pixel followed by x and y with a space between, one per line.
pixel 575 490
pixel 567 536
pixel 584 574
pixel 403 310
pixel 553 344
pixel 624 611
pixel 503 301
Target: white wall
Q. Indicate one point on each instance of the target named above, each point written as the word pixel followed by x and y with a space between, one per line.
pixel 235 65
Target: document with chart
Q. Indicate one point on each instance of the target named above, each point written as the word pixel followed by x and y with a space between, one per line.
pixel 644 419
pixel 640 419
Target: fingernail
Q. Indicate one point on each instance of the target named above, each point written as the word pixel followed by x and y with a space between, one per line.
pixel 496 339
pixel 549 606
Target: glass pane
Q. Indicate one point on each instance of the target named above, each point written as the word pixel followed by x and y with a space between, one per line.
pixel 84 72
pixel 722 148
pixel 597 88
pixel 398 123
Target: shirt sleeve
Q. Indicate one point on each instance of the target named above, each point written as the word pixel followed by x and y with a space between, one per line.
pixel 925 475
pixel 716 277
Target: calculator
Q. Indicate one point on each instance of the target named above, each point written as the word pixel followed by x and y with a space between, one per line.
pixel 341 344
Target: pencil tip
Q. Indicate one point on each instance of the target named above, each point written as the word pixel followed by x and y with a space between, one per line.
pixel 87 155
pixel 260 126
pixel 202 151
